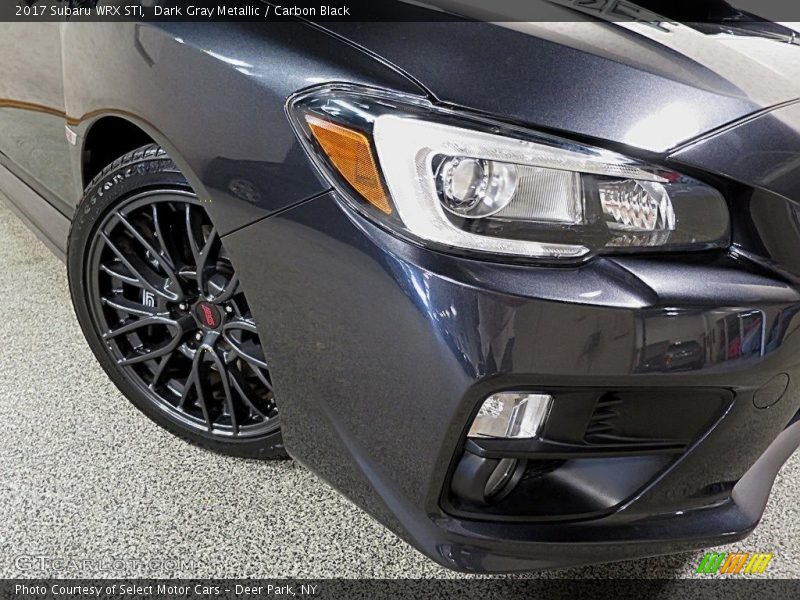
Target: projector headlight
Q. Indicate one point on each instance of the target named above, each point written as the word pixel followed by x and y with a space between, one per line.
pixel 460 183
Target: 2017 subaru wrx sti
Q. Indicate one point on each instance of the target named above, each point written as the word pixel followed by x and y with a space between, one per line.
pixel 528 293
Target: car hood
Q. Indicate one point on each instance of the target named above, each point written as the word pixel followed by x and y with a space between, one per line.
pixel 648 85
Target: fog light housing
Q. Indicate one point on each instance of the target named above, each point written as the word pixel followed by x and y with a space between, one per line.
pixel 511 415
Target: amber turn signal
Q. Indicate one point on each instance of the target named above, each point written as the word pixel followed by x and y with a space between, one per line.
pixel 349 151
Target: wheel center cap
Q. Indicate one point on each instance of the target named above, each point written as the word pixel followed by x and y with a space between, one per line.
pixel 208 315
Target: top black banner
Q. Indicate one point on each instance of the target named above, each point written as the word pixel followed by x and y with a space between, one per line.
pixel 732 15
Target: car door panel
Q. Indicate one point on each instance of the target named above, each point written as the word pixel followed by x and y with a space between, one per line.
pixel 34 144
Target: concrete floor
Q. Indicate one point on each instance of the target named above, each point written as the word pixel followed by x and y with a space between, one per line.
pixel 83 475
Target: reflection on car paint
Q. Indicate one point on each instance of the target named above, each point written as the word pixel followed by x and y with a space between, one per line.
pixel 727 334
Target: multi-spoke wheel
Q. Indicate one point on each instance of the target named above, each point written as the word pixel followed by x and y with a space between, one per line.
pixel 164 311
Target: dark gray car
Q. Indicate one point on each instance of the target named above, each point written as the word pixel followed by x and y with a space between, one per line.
pixel 527 292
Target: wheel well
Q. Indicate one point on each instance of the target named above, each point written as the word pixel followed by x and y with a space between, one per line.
pixel 108 139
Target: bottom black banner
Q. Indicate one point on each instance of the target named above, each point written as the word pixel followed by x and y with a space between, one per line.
pixel 488 588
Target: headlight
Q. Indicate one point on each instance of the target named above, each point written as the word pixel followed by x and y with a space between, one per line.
pixel 461 183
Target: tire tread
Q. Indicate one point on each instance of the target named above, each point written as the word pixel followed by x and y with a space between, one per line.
pixel 130 172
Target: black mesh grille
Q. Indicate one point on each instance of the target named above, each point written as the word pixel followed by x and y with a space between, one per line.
pixel 539 468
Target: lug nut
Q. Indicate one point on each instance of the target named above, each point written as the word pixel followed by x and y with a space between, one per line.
pixel 228 309
pixel 183 306
pixel 198 336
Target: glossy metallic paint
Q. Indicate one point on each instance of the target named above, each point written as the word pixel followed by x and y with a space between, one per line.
pixel 382 350
pixel 633 90
pixel 369 334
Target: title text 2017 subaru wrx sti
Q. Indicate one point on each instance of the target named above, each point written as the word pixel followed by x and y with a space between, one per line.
pixel 527 292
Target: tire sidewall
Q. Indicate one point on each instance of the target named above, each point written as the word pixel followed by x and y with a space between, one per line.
pixel 136 172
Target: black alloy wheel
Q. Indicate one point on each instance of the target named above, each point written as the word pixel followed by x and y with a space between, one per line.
pixel 163 308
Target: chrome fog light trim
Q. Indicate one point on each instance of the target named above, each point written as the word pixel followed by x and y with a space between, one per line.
pixel 511 415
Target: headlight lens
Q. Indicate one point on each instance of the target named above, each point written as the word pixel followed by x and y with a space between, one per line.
pixel 461 183
pixel 473 187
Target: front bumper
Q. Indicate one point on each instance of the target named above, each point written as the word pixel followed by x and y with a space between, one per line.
pixel 381 352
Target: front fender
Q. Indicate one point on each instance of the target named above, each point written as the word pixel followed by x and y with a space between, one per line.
pixel 213 95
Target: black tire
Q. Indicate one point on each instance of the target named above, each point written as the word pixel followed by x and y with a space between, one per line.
pixel 118 259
